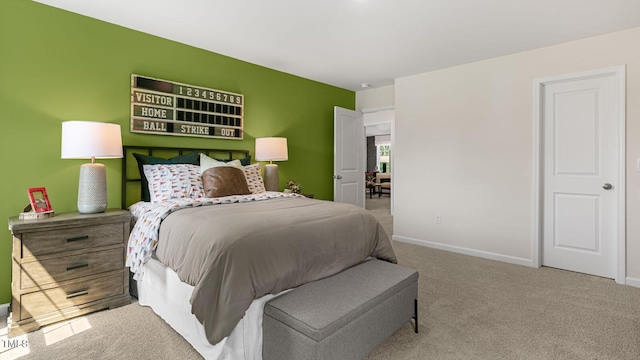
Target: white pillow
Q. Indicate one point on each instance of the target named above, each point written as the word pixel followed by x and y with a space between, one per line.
pixel 173 181
pixel 206 163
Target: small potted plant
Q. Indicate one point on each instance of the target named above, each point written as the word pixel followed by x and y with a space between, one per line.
pixel 293 187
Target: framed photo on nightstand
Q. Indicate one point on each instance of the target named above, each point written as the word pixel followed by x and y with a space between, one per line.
pixel 39 200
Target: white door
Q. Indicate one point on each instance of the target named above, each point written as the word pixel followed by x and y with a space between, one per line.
pixel 581 174
pixel 349 157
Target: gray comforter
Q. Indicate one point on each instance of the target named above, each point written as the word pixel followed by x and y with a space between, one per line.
pixel 235 253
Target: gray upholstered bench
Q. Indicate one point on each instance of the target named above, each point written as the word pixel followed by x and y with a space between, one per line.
pixel 344 316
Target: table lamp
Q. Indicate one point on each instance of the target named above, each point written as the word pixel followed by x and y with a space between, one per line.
pixel 271 149
pixel 91 140
pixel 384 159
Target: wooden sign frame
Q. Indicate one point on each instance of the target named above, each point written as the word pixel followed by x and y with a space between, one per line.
pixel 164 107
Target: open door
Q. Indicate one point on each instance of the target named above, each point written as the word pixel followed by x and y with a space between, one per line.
pixel 348 157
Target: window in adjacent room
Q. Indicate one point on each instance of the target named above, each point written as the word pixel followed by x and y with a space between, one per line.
pixel 383 160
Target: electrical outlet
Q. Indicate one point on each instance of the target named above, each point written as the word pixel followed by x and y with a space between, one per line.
pixel 438 219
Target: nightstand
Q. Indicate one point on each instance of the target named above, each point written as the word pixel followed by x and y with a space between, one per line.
pixel 66 266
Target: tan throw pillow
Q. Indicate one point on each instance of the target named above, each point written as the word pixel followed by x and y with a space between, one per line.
pixel 207 163
pixel 224 181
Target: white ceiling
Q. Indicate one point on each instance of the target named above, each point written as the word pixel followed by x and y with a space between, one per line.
pixel 349 42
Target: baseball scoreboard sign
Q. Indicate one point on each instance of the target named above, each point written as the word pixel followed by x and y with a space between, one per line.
pixel 170 108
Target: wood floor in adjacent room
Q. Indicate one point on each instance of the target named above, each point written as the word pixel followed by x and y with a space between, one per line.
pixel 470 308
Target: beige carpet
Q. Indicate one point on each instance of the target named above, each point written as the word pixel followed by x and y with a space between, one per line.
pixel 379 207
pixel 470 308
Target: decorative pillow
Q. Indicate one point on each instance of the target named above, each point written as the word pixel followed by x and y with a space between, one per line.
pixel 244 161
pixel 190 158
pixel 224 181
pixel 208 163
pixel 173 181
pixel 254 179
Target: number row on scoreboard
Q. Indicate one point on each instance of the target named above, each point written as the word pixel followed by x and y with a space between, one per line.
pixel 208 94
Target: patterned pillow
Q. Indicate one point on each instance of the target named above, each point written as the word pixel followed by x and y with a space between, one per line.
pixel 254 179
pixel 189 158
pixel 173 181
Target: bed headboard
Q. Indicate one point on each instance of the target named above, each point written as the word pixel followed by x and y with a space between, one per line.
pixel 131 176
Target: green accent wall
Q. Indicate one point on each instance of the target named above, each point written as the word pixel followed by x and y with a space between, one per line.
pixel 57 66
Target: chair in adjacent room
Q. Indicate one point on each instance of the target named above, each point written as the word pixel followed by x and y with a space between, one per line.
pixel 369 181
pixel 383 183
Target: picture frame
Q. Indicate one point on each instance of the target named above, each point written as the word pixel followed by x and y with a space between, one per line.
pixel 39 200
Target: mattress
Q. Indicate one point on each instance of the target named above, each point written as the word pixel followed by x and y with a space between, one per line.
pixel 233 253
pixel 161 289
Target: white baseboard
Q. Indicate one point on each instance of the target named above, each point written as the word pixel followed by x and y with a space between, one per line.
pixel 466 251
pixel 4 309
pixel 633 282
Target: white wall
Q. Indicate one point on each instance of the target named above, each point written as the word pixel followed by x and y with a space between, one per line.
pixel 375 98
pixel 378 117
pixel 463 148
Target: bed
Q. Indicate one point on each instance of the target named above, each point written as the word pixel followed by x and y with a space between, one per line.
pixel 207 264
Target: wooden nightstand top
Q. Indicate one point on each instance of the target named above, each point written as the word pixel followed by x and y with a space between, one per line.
pixel 68 219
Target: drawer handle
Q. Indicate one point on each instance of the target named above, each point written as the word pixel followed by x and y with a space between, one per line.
pixel 78 238
pixel 78 293
pixel 77 266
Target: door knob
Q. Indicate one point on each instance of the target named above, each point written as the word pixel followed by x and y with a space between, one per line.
pixel 607 186
pixel 337 177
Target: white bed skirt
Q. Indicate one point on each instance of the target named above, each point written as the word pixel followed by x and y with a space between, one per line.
pixel 162 290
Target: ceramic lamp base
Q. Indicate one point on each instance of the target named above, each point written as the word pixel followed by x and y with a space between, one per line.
pixel 271 180
pixel 92 189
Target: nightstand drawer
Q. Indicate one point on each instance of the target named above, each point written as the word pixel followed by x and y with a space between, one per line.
pixel 56 241
pixel 56 299
pixel 70 267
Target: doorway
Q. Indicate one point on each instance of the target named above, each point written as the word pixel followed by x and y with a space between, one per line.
pixel 579 175
pixel 379 134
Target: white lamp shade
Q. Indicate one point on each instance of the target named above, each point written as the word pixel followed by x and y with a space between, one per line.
pixel 384 158
pixel 90 140
pixel 271 149
pixel 87 139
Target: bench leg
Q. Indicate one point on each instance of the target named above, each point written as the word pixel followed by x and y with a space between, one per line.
pixel 415 318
